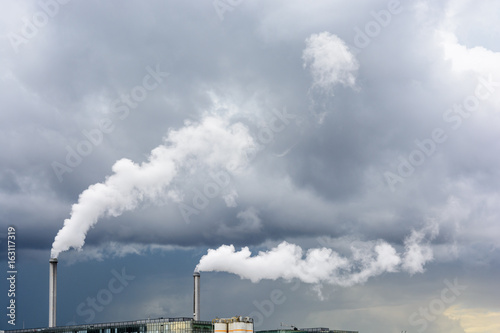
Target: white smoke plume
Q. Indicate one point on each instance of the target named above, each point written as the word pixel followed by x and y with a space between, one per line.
pixel 330 61
pixel 213 143
pixel 321 265
pixel 417 254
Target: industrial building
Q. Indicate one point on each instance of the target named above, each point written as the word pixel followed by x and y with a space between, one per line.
pixel 174 325
pixel 160 325
pixel 307 330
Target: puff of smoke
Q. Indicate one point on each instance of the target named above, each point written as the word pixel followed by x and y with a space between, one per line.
pixel 212 143
pixel 321 265
pixel 330 61
pixel 416 253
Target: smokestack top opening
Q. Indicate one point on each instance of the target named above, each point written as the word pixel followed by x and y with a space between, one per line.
pixel 53 260
pixel 194 274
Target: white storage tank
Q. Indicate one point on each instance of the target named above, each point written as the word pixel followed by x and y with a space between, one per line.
pixel 248 325
pixel 220 327
pixel 237 326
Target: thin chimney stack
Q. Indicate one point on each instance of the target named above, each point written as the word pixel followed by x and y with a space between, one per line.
pixel 196 296
pixel 52 292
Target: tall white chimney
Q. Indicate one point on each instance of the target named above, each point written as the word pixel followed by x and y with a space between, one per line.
pixel 196 296
pixel 52 292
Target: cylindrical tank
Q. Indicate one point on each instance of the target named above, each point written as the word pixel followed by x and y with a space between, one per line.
pixel 236 326
pixel 248 325
pixel 220 327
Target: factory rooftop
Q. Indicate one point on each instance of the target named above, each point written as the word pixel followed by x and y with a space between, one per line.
pixel 307 330
pixel 159 325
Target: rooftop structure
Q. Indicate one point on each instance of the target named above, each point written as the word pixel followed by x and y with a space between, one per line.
pixel 159 325
pixel 307 330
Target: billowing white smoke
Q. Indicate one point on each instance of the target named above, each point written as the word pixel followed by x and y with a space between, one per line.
pixel 330 61
pixel 416 253
pixel 321 265
pixel 213 143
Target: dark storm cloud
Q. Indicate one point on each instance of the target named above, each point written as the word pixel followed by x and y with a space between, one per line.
pixel 319 171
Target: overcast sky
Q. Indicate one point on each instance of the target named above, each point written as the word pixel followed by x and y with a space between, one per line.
pixel 347 150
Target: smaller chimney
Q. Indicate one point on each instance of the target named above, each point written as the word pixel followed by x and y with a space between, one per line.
pixel 52 292
pixel 196 296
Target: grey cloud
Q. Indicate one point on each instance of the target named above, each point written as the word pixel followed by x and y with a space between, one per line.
pixel 311 180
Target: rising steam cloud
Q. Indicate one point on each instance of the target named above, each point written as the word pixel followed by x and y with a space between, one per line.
pixel 321 265
pixel 213 143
